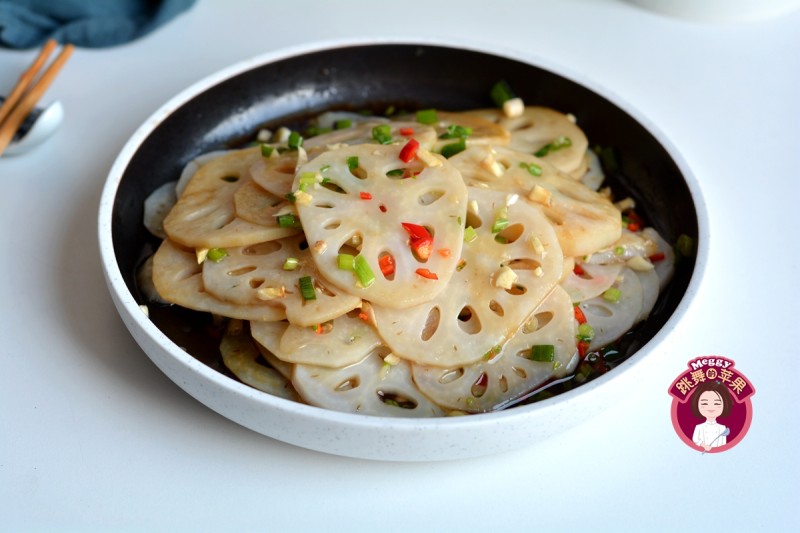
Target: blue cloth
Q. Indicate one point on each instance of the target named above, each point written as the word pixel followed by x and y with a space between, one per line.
pixel 86 23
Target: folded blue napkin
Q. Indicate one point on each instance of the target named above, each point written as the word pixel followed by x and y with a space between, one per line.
pixel 86 23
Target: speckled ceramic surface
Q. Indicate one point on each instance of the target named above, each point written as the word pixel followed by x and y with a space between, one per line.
pixel 280 86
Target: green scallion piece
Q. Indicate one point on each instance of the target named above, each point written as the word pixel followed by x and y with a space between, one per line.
pixel 427 116
pixel 363 272
pixel 217 254
pixel 382 133
pixel 307 288
pixel 295 141
pixel 342 124
pixel 470 234
pixel 454 131
pixel 557 144
pixel 585 332
pixel 352 162
pixel 449 150
pixel 291 263
pixel 396 172
pixel 500 220
pixel 533 168
pixel 619 250
pixel 313 131
pixel 288 220
pixel 324 168
pixel 266 150
pixel 307 179
pixel 612 295
pixel 501 93
pixel 290 196
pixel 345 262
pixel 544 353
pixel 684 246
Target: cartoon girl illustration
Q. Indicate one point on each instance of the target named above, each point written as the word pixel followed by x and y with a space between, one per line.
pixel 711 400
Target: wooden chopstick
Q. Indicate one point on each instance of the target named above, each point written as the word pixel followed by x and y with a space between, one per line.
pixel 29 89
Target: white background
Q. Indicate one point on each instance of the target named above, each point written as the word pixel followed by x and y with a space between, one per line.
pixel 93 436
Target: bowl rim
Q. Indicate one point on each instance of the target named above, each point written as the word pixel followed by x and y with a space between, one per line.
pixel 128 306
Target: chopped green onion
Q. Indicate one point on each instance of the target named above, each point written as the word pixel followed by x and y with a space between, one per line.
pixel 391 110
pixel 290 196
pixel 396 172
pixel 288 220
pixel 470 234
pixel 533 168
pixel 291 263
pixel 307 288
pixel 501 92
pixel 460 266
pixel 543 352
pixel 295 141
pixel 500 239
pixel 313 131
pixel 342 124
pixel 382 133
pixel 266 150
pixel 307 179
pixel 352 162
pixel 492 353
pixel 427 116
pixel 585 332
pixel 324 168
pixel 500 220
pixel 557 144
pixel 363 272
pixel 684 246
pixel 454 131
pixel 612 295
pixel 619 250
pixel 217 254
pixel 449 150
pixel 345 262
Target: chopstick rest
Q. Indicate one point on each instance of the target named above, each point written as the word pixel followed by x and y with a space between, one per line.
pixel 29 89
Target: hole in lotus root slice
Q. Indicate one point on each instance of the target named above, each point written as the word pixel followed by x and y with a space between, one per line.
pixel 384 233
pixel 611 320
pixel 468 321
pixel 280 286
pixel 474 286
pixel 431 324
pixel 510 234
pixel 584 220
pixel 205 214
pixel 241 356
pixel 276 173
pixel 178 279
pixel 430 197
pixel 496 308
pixel 323 387
pixel 491 384
pixel 538 126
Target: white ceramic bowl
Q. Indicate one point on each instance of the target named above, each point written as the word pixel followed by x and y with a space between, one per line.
pixel 235 101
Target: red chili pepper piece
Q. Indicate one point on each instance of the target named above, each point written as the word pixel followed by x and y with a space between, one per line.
pixel 656 257
pixel 386 262
pixel 409 151
pixel 578 270
pixel 634 226
pixel 365 196
pixel 579 316
pixel 421 240
pixel 427 274
pixel 406 132
pixel 583 348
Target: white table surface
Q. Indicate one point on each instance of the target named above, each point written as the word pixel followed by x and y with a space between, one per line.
pixel 93 436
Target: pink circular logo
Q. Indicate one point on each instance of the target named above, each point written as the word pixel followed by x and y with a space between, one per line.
pixel 711 407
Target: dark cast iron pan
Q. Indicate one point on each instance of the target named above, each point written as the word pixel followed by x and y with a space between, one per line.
pixel 408 76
